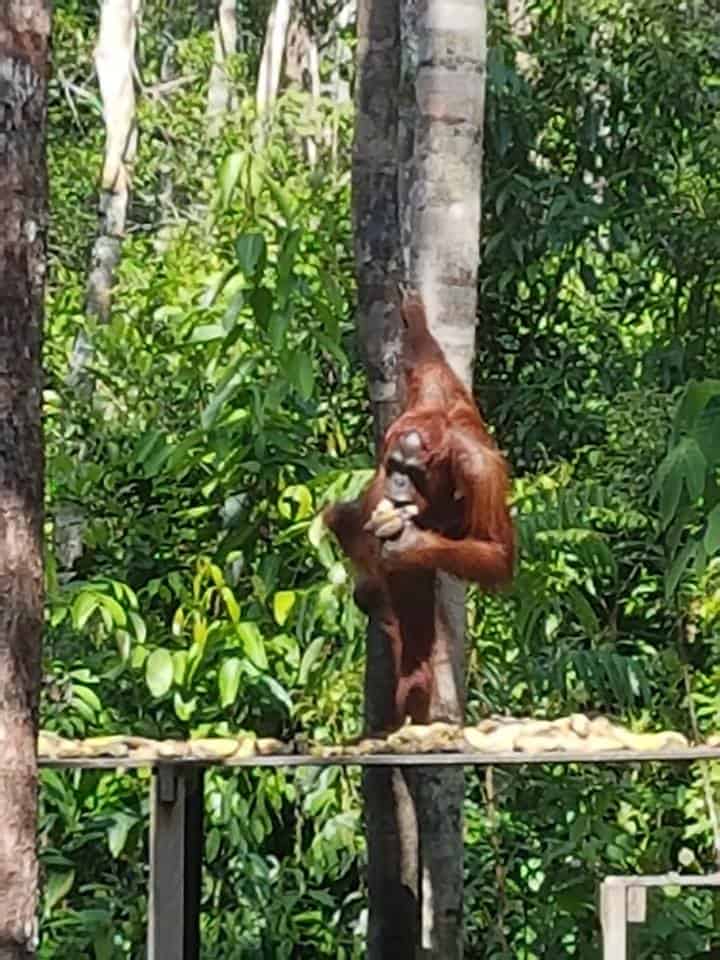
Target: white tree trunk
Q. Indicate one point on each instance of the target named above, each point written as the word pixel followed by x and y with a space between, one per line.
pixel 220 89
pixel 115 64
pixel 441 122
pixel 272 56
pixel 302 70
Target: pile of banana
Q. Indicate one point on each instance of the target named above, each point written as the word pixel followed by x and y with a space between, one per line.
pixel 575 734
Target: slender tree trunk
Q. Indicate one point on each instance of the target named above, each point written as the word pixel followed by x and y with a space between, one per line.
pixel 302 70
pixel 115 64
pixel 220 89
pixel 447 40
pixel 389 803
pixel 24 30
pixel 272 55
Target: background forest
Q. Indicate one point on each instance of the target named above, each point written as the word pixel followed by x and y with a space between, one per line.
pixel 190 591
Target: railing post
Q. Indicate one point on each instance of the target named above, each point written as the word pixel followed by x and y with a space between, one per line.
pixel 614 917
pixel 176 850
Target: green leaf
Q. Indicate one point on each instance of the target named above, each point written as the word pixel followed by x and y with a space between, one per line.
pixel 57 886
pixel 229 385
pixel 300 495
pixel 83 607
pixel 261 300
pixel 184 709
pixel 114 609
pixel 231 603
pixel 229 680
pixel 249 248
pixel 310 658
pixel 88 696
pixel 283 602
pixel 117 833
pixel 229 173
pixel 205 332
pixel 694 467
pixel 585 613
pixel 670 496
pixel 253 644
pixel 278 691
pixel 180 661
pixel 696 396
pixel 678 567
pixel 159 672
pixel 306 375
pixel 712 531
pixel 277 328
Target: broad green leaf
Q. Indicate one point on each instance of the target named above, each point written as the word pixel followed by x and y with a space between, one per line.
pixel 229 173
pixel 678 568
pixel 697 394
pixel 310 658
pixel 585 613
pixel 278 691
pixel 138 625
pixel 261 300
pixel 712 531
pixel 114 609
pixel 118 833
pixel 229 680
pixel 306 374
pixel 300 495
pixel 83 607
pixel 159 672
pixel 249 248
pixel 694 467
pixel 670 496
pixel 253 643
pixel 180 661
pixel 184 709
pixel 228 386
pixel 231 603
pixel 283 602
pixel 57 886
pixel 206 332
pixel 277 328
pixel 88 696
pixel 317 531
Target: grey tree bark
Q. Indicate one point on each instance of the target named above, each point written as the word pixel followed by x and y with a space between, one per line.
pixel 444 45
pixel 416 180
pixel 115 64
pixel 24 32
pixel 389 804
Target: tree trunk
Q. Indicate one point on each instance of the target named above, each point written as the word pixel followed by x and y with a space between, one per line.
pixel 24 30
pixel 115 64
pixel 389 805
pixel 272 55
pixel 302 71
pixel 220 89
pixel 444 56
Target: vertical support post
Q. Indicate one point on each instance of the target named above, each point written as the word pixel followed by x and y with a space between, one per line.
pixel 176 849
pixel 614 916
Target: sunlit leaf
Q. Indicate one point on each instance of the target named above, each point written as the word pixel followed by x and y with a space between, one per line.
pixel 159 672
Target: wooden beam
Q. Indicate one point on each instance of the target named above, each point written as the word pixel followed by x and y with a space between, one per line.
pixel 176 849
pixel 516 758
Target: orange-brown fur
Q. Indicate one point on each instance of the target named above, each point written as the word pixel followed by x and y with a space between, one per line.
pixel 463 526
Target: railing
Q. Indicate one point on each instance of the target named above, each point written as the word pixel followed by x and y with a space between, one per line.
pixel 176 818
